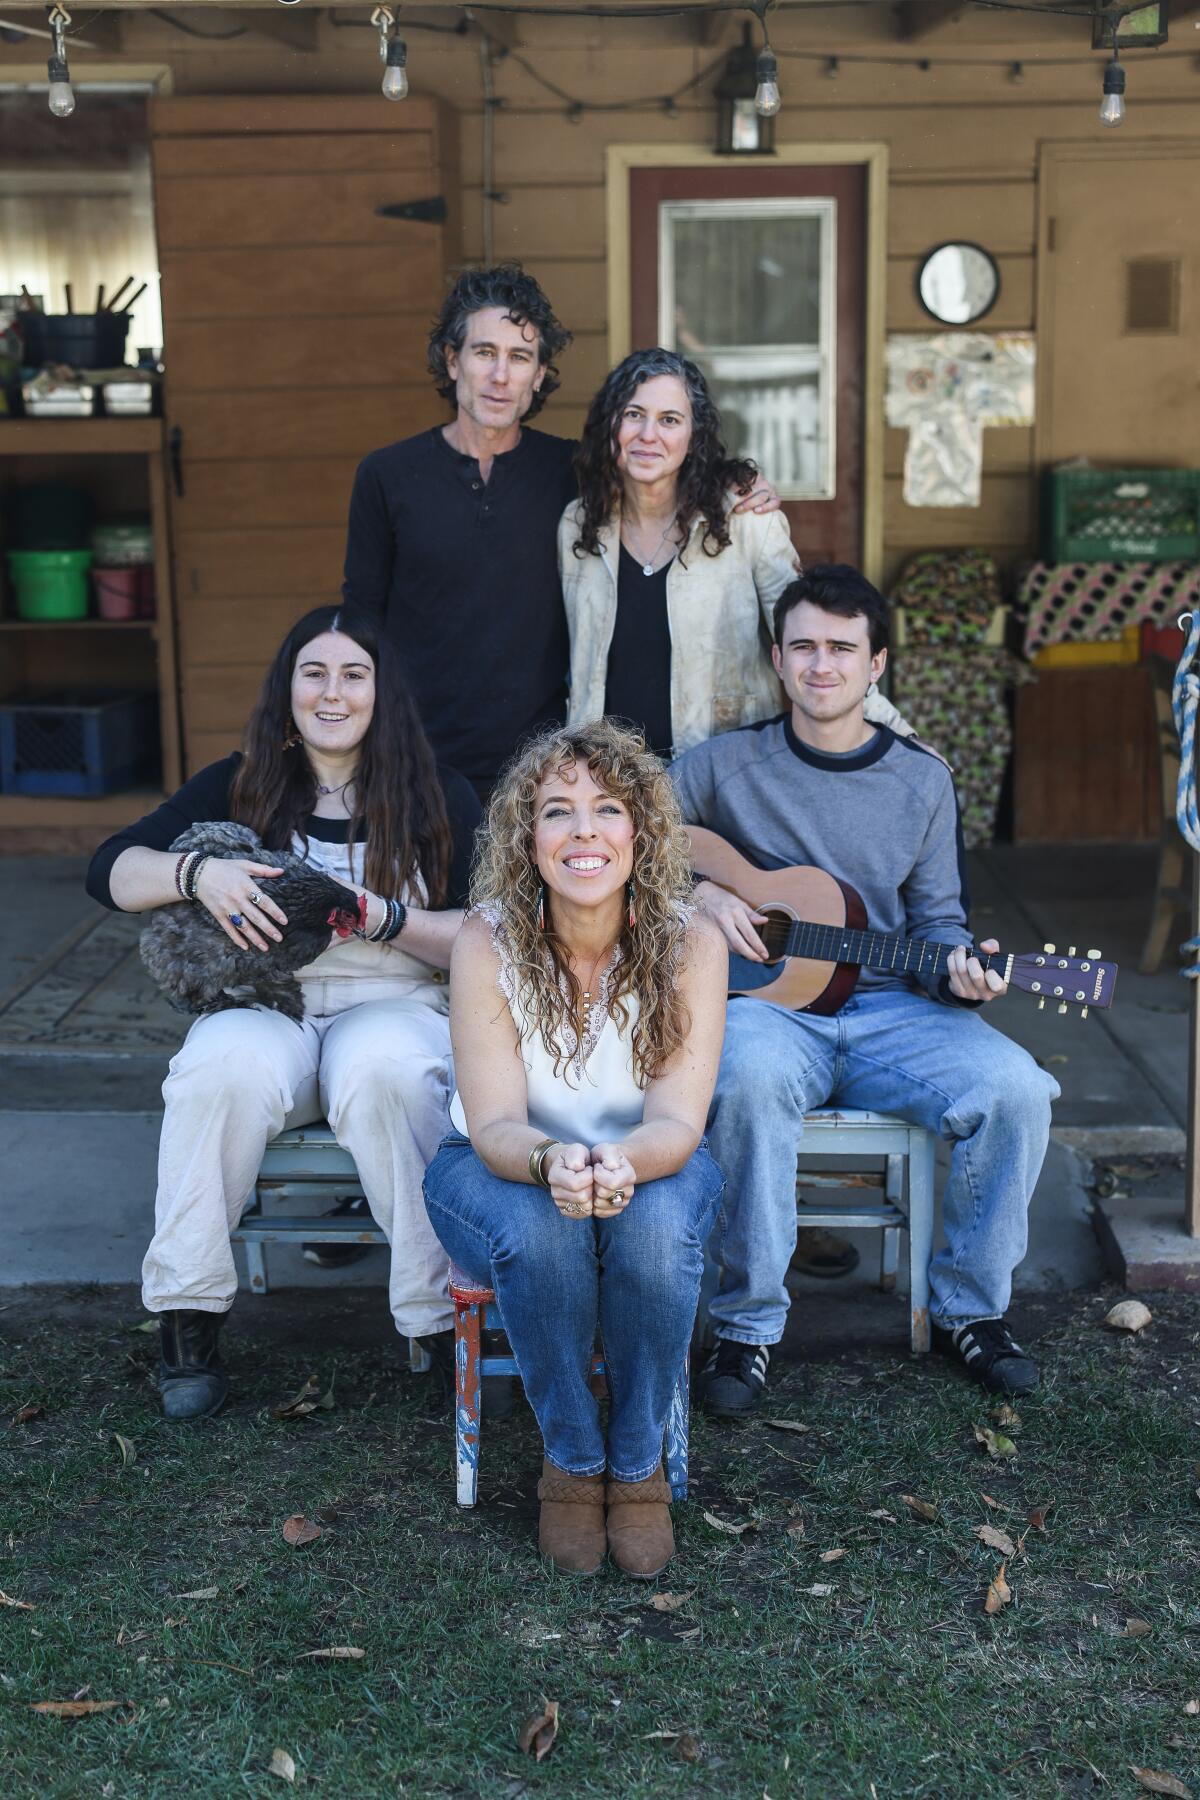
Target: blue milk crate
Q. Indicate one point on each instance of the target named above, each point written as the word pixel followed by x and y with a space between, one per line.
pixel 78 745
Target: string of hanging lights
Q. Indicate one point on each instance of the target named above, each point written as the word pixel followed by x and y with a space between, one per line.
pixel 763 103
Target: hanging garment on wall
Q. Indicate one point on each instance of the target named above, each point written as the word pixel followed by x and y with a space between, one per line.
pixel 948 596
pixel 1084 602
pixel 944 389
pixel 955 699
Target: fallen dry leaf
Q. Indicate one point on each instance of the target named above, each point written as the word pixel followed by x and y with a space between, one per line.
pixel 1192 1707
pixel 999 1593
pixel 881 1512
pixel 209 1593
pixel 1137 1628
pixel 686 1747
pixel 1037 1517
pixel 787 1425
pixel 309 1399
pixel 660 1737
pixel 724 1525
pixel 282 1765
pixel 75 1709
pixel 795 1529
pixel 1006 1415
pixel 1129 1315
pixel 670 1603
pixel 995 1539
pixel 127 1448
pixel 828 1556
pixel 22 1605
pixel 23 1414
pixel 820 1588
pixel 924 1509
pixel 336 1653
pixel 998 1504
pixel 997 1444
pixel 299 1530
pixel 539 1731
pixel 1157 1783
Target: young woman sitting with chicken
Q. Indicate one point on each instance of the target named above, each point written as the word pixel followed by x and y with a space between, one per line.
pixel 306 893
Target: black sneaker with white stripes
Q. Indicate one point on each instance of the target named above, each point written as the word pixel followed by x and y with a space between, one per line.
pixel 730 1383
pixel 991 1354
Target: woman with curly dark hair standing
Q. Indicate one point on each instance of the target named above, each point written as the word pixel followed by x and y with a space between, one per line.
pixel 587 1012
pixel 668 589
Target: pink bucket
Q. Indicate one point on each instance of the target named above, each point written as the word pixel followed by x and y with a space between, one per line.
pixel 116 593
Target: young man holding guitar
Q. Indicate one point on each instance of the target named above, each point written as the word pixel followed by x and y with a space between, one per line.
pixel 820 786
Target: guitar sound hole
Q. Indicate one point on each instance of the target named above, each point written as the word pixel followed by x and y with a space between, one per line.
pixel 774 933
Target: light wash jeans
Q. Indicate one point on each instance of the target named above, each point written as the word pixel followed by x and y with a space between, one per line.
pixel 638 1275
pixel 374 1059
pixel 889 1050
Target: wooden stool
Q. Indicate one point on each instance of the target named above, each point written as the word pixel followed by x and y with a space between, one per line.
pixel 475 1311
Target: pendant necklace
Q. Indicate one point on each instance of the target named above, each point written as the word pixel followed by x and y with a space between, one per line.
pixel 326 791
pixel 648 565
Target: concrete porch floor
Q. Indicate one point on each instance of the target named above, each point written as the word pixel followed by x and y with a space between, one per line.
pixel 84 1043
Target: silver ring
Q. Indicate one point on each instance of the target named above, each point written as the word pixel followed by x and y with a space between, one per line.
pixel 255 897
pixel 574 1211
pixel 618 1198
pixel 236 919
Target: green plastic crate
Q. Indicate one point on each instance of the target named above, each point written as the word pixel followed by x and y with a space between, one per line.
pixel 1121 515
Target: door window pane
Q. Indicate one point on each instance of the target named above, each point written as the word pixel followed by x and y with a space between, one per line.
pixel 747 290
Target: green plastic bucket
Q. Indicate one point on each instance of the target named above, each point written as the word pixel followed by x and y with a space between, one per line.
pixel 50 584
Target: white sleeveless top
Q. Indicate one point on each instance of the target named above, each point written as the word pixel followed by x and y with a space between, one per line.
pixel 595 1098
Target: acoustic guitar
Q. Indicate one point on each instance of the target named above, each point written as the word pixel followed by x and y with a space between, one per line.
pixel 818 939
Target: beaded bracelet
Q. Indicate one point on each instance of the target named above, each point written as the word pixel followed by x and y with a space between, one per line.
pixel 178 868
pixel 191 876
pixel 396 921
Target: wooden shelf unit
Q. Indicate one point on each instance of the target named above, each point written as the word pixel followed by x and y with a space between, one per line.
pixel 122 459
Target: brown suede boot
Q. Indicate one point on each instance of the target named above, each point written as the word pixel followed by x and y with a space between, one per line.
pixel 640 1535
pixel 571 1522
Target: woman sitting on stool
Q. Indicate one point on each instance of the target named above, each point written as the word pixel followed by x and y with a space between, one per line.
pixel 337 768
pixel 587 1012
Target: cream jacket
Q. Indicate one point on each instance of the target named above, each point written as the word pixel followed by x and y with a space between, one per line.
pixel 719 614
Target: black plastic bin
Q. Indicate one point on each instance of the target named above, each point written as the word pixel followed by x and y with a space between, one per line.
pixel 81 340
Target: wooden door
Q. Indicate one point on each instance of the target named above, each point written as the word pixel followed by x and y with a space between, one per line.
pixel 804 427
pixel 295 316
pixel 1118 275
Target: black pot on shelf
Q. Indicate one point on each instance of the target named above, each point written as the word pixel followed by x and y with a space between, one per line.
pixel 81 340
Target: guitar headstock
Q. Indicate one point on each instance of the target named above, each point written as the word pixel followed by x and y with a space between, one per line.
pixel 1068 980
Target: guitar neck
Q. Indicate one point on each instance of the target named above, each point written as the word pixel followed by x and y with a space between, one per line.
pixel 877 950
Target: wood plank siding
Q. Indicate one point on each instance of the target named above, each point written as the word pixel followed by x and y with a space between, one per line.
pixel 296 318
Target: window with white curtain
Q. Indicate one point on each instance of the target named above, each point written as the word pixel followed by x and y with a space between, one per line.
pixel 76 206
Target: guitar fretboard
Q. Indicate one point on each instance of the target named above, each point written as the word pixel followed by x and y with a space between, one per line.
pixel 871 949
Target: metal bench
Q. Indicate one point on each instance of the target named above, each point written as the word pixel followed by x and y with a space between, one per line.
pixel 306 1162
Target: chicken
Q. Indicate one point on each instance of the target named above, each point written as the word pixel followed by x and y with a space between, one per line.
pixel 201 970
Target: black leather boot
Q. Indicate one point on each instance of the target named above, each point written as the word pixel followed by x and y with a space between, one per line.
pixel 191 1380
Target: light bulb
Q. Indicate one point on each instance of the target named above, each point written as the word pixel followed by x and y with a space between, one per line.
pixel 1112 107
pixel 62 96
pixel 395 80
pixel 767 100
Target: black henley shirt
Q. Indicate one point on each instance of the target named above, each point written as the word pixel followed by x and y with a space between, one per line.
pixel 462 577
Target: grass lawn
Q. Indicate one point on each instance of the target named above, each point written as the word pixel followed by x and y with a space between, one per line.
pixel 837 1646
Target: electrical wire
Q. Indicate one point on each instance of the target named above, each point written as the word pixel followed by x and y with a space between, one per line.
pixel 215 37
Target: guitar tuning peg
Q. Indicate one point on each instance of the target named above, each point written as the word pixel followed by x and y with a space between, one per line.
pixel 1063 1007
pixel 1070 950
pixel 1048 949
pixel 1083 1012
pixel 1095 955
pixel 1042 1004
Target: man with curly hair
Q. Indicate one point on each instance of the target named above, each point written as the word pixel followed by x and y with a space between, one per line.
pixel 452 540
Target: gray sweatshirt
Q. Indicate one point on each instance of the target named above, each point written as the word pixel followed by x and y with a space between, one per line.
pixel 883 818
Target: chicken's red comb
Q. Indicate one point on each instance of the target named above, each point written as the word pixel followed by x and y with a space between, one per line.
pixel 338 917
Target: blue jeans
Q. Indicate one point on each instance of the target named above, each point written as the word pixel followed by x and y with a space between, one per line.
pixel 889 1050
pixel 638 1275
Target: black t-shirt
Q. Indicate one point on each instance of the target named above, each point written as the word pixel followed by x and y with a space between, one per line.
pixel 205 797
pixel 637 685
pixel 462 576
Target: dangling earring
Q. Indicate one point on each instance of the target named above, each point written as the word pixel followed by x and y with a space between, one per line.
pixel 632 907
pixel 541 911
pixel 291 736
